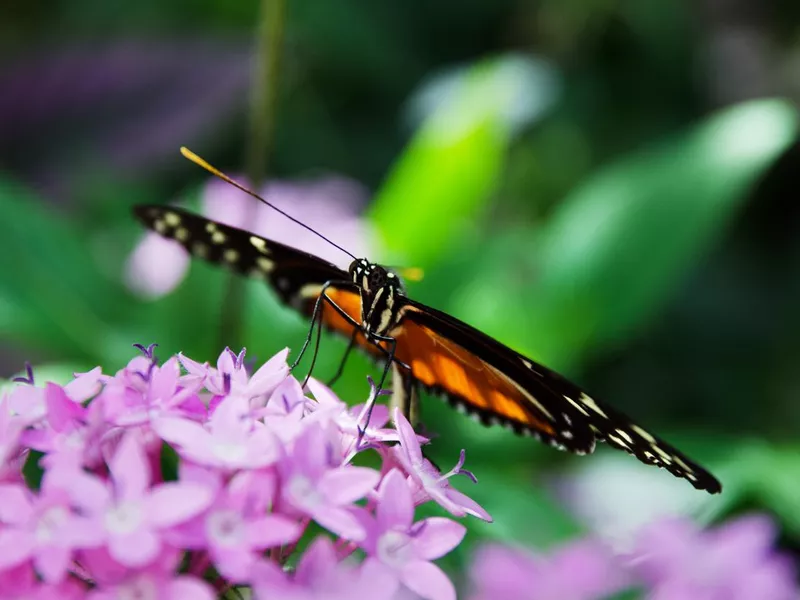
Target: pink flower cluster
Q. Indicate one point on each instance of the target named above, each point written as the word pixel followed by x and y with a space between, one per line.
pixel 673 559
pixel 182 480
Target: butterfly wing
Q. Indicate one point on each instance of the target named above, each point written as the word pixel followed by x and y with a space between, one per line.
pixel 480 375
pixel 296 276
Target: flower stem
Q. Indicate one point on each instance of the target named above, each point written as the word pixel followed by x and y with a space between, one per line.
pixel 260 144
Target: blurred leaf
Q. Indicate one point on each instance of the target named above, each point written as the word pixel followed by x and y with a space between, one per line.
pixel 451 166
pixel 52 294
pixel 522 513
pixel 770 474
pixel 615 248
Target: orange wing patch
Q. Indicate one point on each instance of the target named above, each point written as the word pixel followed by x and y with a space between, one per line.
pixel 470 382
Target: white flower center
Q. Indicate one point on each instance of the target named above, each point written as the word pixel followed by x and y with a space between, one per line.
pixel 229 451
pixel 49 523
pixel 394 549
pixel 124 518
pixel 225 527
pixel 302 492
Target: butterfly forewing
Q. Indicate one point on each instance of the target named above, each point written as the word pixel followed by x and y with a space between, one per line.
pixel 295 275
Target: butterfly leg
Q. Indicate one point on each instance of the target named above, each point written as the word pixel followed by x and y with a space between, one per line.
pixel 316 346
pixel 343 362
pixel 317 315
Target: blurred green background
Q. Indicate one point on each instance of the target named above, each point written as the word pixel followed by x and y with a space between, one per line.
pixel 609 187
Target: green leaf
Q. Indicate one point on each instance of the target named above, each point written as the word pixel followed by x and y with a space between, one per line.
pixel 450 168
pixel 615 249
pixel 52 295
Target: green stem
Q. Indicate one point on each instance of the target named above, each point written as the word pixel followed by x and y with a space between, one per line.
pixel 260 144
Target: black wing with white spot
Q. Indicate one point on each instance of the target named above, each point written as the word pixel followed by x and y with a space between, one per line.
pixel 295 275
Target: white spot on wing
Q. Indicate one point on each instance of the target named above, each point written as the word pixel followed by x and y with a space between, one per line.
pixel 259 244
pixel 576 405
pixel 199 249
pixel 172 219
pixel 182 234
pixel 217 237
pixel 592 405
pixel 230 255
pixel 265 264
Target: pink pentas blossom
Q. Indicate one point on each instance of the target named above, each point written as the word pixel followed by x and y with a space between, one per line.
pixel 179 479
pixel 426 479
pixel 582 570
pixel 321 575
pixel 403 550
pixel 317 486
pixel 735 561
pixel 156 585
pixel 230 439
pixel 126 512
pixel 42 528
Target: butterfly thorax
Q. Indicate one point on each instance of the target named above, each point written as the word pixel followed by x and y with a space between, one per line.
pixel 379 289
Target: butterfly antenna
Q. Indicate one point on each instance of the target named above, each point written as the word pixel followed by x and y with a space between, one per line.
pixel 214 171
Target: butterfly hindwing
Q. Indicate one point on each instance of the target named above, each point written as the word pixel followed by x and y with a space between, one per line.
pixel 475 373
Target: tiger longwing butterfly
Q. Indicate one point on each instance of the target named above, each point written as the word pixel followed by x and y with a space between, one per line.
pixel 424 346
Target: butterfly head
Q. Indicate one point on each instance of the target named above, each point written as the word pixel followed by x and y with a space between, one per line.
pixel 371 277
pixel 379 288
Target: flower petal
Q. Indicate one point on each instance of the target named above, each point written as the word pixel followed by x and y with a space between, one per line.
pixel 172 503
pixel 186 586
pixel 15 547
pixel 15 504
pixel 408 439
pixel 136 549
pixel 272 530
pixel 52 562
pixel 339 521
pixel 428 581
pixel 348 484
pixel 395 505
pixel 437 537
pixel 130 469
pixel 468 504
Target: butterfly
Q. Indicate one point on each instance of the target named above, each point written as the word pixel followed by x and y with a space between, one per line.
pixel 423 346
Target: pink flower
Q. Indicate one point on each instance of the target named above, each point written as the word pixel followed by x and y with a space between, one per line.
pixel 158 481
pixel 735 561
pixel 230 377
pixel 314 484
pixel 236 527
pixel 155 584
pixel 320 575
pixel 399 547
pixel 155 266
pixel 10 429
pixel 584 570
pixel 231 440
pixel 145 391
pixel 127 514
pixel 42 528
pixel 427 481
